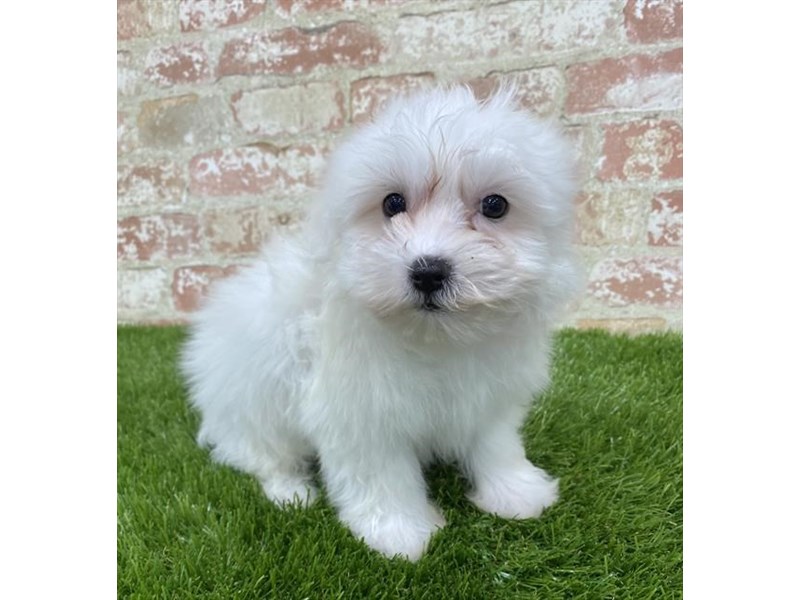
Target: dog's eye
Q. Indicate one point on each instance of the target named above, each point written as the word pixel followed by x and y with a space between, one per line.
pixel 393 204
pixel 494 206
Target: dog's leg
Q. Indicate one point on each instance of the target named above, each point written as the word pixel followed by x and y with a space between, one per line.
pixel 280 463
pixel 381 496
pixel 288 483
pixel 504 482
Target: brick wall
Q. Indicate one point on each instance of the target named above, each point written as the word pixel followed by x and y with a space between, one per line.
pixel 228 108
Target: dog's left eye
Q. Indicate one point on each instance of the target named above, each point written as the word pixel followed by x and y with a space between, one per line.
pixel 393 204
pixel 494 206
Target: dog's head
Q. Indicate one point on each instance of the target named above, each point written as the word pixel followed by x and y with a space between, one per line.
pixel 447 215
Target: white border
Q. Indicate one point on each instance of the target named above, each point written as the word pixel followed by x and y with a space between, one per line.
pixel 57 390
pixel 740 310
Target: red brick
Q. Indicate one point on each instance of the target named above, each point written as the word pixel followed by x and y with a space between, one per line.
pixel 369 94
pixel 665 225
pixel 292 8
pixel 504 29
pixel 615 217
pixel 235 231
pixel 195 15
pixel 254 170
pixel 308 108
pixel 157 236
pixel 586 147
pixel 294 50
pixel 187 120
pixel 127 134
pixel 538 90
pixel 156 182
pixel 645 150
pixel 639 82
pixel 646 280
pixel 178 63
pixel 243 231
pixel 142 18
pixel 128 75
pixel 648 21
pixel 141 289
pixel 131 20
pixel 190 284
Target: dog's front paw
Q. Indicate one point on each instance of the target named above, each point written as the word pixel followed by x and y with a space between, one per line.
pixel 397 534
pixel 519 493
pixel 289 490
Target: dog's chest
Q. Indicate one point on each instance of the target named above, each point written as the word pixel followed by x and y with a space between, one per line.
pixel 448 396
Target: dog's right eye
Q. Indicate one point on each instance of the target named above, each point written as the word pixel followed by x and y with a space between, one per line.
pixel 393 204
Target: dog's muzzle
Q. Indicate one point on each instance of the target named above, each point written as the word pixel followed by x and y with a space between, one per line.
pixel 428 275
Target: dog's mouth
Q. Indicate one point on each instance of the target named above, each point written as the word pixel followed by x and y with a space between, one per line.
pixel 430 306
pixel 429 303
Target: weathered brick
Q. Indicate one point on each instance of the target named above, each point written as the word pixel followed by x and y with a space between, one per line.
pixel 196 15
pixel 294 50
pixel 538 90
pixel 614 217
pixel 155 182
pixel 190 284
pixel 142 289
pixel 186 120
pixel 292 8
pixel 128 75
pixel 127 134
pixel 369 94
pixel 243 231
pixel 631 326
pixel 506 29
pixel 142 18
pixel 648 21
pixel 644 150
pixel 254 170
pixel 131 19
pixel 309 108
pixel 177 63
pixel 585 145
pixel 643 280
pixel 454 40
pixel 665 224
pixel 157 237
pixel 239 231
pixel 640 82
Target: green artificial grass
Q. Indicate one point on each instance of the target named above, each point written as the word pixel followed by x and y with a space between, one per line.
pixel 609 427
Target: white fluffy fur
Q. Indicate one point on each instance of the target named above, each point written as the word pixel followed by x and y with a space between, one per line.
pixel 321 348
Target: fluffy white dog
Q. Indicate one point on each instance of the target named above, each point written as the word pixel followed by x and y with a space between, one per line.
pixel 408 321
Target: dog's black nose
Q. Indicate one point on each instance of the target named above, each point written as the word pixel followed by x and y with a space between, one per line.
pixel 428 273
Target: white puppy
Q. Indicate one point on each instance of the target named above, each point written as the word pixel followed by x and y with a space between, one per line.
pixel 408 321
